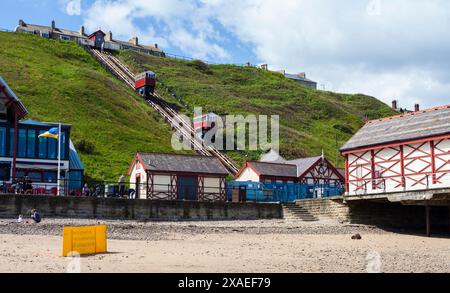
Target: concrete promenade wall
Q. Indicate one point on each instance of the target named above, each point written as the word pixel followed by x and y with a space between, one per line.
pixel 102 208
pixel 382 214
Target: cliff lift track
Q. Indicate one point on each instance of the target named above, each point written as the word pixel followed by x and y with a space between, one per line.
pixel 117 68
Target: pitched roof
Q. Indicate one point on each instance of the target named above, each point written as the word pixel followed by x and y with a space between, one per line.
pixel 182 163
pixel 272 157
pixel 74 160
pixel 43 28
pixel 12 96
pixel 274 169
pixel 304 164
pixel 297 77
pixel 401 128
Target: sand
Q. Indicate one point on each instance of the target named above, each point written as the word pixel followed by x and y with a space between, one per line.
pixel 229 247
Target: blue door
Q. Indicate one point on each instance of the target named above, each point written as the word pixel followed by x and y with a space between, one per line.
pixel 187 188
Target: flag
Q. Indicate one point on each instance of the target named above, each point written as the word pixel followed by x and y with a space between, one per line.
pixel 52 133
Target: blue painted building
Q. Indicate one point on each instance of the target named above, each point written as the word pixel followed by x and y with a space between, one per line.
pixel 23 153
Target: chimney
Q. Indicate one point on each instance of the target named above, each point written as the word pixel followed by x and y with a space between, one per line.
pixel 109 36
pixel 394 105
pixel 134 41
pixel 82 31
pixel 53 25
pixel 156 46
pixel 302 75
pixel 22 23
pixel 416 108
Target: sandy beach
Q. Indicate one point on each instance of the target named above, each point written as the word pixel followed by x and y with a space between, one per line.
pixel 231 247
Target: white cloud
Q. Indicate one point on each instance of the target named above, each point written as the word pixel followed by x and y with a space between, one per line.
pixel 386 48
pixel 182 24
pixel 73 7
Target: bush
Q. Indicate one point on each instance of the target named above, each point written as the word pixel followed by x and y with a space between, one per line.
pixel 201 66
pixel 344 128
pixel 85 147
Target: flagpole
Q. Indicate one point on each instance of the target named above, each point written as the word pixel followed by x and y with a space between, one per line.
pixel 58 192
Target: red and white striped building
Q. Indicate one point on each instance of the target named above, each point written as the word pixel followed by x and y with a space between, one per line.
pixel 406 152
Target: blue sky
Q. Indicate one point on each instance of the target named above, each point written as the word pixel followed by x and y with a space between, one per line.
pixel 385 48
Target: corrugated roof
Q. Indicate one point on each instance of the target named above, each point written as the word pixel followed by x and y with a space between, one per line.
pixel 274 169
pixel 424 124
pixel 74 160
pixel 183 164
pixel 304 164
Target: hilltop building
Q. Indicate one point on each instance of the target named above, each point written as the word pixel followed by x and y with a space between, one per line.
pixel 301 79
pixel 23 153
pixel 53 32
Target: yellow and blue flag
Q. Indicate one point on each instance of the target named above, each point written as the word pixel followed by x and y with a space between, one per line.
pixel 52 133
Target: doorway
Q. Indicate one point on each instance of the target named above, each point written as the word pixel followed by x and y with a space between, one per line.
pixel 187 188
pixel 138 187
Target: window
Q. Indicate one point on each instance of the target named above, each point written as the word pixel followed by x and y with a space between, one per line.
pixel 3 112
pixel 50 177
pixel 65 38
pixel 22 143
pixel 35 176
pixel 42 146
pixel 63 145
pixel 20 174
pixel 31 143
pixel 2 141
pixel 11 142
pixel 52 148
pixel 5 172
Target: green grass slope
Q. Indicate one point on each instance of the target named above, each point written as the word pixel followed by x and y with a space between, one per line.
pixel 59 81
pixel 311 120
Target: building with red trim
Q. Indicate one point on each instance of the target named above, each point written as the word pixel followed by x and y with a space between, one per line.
pixel 24 153
pixel 403 153
pixel 177 177
pixel 319 177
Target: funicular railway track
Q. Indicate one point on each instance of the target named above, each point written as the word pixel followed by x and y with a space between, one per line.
pixel 164 109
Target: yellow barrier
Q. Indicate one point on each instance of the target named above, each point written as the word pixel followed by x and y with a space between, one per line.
pixel 84 240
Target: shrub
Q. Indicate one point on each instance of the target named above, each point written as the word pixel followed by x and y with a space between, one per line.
pixel 85 147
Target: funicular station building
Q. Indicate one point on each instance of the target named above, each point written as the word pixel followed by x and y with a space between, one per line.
pixel 24 154
pixel 401 159
pixel 279 180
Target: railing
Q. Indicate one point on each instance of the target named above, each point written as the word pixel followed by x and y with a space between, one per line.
pixel 254 192
pixel 283 192
pixel 392 184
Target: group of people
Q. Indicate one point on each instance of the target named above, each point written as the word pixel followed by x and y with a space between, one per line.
pixel 23 185
pixel 98 190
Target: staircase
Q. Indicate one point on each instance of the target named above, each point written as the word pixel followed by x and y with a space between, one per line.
pixel 121 71
pixel 292 211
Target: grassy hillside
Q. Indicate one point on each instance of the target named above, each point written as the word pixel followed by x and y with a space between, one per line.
pixel 311 120
pixel 59 81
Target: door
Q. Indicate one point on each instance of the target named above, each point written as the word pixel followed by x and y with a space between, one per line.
pixel 187 188
pixel 138 187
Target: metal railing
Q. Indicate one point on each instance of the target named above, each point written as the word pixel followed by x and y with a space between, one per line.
pixel 251 191
pixel 391 184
